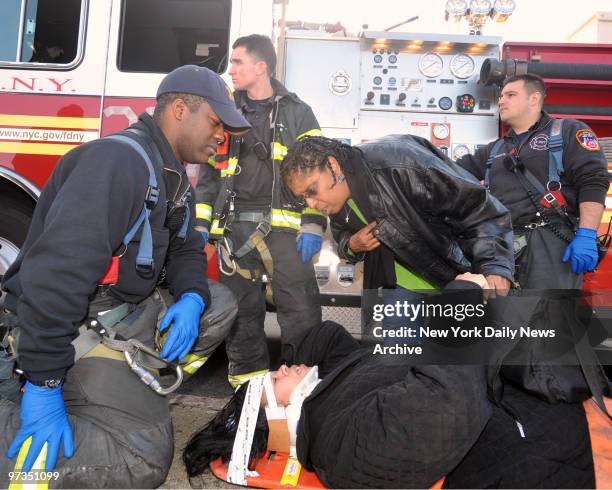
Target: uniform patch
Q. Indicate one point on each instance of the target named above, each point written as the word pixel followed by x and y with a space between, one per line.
pixel 539 142
pixel 587 139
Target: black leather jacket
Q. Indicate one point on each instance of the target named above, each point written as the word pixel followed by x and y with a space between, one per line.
pixel 434 216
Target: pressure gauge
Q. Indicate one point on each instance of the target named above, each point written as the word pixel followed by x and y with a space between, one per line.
pixel 431 65
pixel 445 103
pixel 441 131
pixel 462 66
pixel 460 150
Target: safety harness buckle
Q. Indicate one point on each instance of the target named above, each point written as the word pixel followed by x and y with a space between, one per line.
pixel 145 269
pixel 151 196
pixel 533 226
pixel 264 227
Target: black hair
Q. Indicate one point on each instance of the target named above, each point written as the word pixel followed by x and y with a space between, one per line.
pixel 533 83
pixel 193 102
pixel 312 153
pixel 260 47
pixel 216 439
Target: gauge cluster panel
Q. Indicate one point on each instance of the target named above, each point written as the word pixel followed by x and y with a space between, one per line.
pixel 411 73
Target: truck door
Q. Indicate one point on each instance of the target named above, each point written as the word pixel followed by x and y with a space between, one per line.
pixel 149 38
pixel 51 82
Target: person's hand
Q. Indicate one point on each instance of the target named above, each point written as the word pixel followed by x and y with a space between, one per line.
pixel 583 251
pixel 308 245
pixel 364 240
pixel 478 279
pixel 184 315
pixel 43 416
pixel 204 236
pixel 496 285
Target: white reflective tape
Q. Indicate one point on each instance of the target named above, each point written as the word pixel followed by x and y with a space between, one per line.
pixel 48 135
pixel 286 218
pixel 241 451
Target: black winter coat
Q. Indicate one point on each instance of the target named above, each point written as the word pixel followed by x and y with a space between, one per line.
pixel 434 216
pixel 379 422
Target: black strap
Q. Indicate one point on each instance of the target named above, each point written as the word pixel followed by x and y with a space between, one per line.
pixel 591 367
pixel 489 164
pixel 523 180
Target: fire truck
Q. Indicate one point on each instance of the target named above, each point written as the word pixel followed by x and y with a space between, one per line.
pixel 75 70
pixel 79 69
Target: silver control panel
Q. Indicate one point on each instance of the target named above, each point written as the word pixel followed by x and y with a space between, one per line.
pixel 422 73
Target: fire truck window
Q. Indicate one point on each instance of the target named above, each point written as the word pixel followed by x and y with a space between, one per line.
pixel 49 30
pixel 10 13
pixel 159 35
pixel 51 33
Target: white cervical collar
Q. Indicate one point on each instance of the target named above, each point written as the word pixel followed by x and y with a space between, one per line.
pixel 294 409
pixel 238 465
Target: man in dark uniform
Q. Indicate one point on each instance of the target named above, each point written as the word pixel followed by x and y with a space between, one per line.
pixel 241 205
pixel 552 255
pixel 99 243
pixel 556 201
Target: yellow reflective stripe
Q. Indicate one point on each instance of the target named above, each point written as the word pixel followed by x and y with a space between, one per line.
pixel 279 151
pixel 35 148
pixel 312 211
pixel 287 219
pixel 312 132
pixel 193 363
pixel 212 162
pixel 231 167
pixel 203 211
pixel 237 379
pixel 215 229
pixel 49 121
pixel 39 465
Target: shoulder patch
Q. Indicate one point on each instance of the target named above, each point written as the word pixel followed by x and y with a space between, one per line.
pixel 587 139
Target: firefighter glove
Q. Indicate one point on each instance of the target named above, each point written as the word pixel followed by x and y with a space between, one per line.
pixel 308 245
pixel 583 251
pixel 43 417
pixel 184 316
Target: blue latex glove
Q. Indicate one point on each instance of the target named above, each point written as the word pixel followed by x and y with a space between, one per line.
pixel 308 244
pixel 43 416
pixel 583 251
pixel 204 236
pixel 184 315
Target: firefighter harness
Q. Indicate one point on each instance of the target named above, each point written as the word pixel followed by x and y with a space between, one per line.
pixel 551 196
pixel 100 329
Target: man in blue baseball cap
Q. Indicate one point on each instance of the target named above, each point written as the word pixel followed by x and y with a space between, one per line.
pixel 205 83
pixel 115 220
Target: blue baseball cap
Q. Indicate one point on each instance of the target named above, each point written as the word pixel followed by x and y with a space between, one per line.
pixel 198 80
